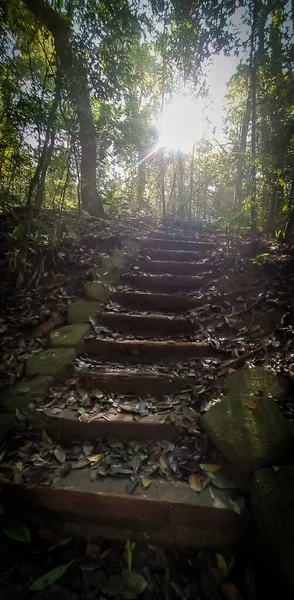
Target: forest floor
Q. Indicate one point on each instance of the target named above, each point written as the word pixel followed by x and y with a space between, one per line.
pixel 253 325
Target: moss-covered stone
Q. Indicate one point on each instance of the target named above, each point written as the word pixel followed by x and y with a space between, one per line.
pixel 102 274
pixel 50 362
pixel 80 311
pixel 250 431
pixel 25 392
pixel 272 500
pixel 258 381
pixel 70 336
pixel 98 291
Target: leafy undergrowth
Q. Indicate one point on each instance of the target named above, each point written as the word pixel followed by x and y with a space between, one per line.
pixel 53 278
pixel 35 562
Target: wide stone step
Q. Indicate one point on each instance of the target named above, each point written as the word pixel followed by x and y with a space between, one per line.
pixel 177 255
pixel 151 301
pixel 132 381
pixel 67 427
pixel 179 268
pixel 133 351
pixel 175 244
pixel 166 513
pixel 165 283
pixel 153 325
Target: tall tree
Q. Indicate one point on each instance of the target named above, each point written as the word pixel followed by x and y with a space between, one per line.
pixel 74 73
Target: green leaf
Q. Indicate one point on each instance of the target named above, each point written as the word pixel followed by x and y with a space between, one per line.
pixel 236 508
pixel 128 554
pixel 19 534
pixel 50 577
pixel 209 468
pixel 221 563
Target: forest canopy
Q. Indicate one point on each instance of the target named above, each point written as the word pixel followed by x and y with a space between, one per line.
pixel 111 107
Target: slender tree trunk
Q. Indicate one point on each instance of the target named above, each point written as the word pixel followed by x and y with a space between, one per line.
pixel 163 83
pixel 290 223
pixel 45 156
pixel 253 75
pixel 238 196
pixel 191 182
pixel 73 69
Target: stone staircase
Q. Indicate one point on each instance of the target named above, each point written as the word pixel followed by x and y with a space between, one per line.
pixel 140 329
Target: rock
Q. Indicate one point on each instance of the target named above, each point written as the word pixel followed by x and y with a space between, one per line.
pixel 50 362
pixel 24 393
pixel 258 381
pixel 272 500
pixel 70 336
pixel 250 433
pixel 94 290
pixel 80 311
pixel 105 275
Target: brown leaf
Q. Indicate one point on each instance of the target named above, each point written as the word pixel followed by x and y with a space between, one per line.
pixel 230 591
pixel 84 417
pixel 55 320
pixel 251 404
pixel 195 482
pixel 96 394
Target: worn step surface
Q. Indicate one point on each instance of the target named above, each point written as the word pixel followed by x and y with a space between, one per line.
pixel 150 351
pixel 174 267
pixel 154 325
pixel 166 513
pixel 166 283
pixel 132 381
pixel 159 302
pixel 175 255
pixel 176 244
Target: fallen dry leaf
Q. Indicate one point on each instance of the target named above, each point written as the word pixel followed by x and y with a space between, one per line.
pixel 251 404
pixel 195 482
pixel 95 457
pixel 146 482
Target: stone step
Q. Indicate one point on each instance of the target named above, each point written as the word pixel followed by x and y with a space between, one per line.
pixel 177 255
pixel 165 513
pixel 175 244
pixel 153 325
pixel 67 427
pixel 139 351
pixel 134 381
pixel 166 283
pixel 171 303
pixel 179 268
pixel 159 302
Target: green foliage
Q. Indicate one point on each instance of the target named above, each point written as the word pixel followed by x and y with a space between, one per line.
pixel 18 534
pixel 50 577
pixel 128 553
pixel 133 59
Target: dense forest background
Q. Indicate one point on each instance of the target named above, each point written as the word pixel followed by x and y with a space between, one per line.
pixel 83 88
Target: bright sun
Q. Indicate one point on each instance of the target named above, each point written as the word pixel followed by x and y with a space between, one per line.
pixel 181 124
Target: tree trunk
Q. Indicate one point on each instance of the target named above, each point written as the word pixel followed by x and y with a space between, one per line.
pixel 72 67
pixel 241 155
pixel 290 223
pixel 253 75
pixel 191 182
